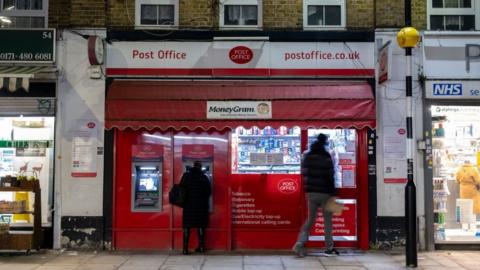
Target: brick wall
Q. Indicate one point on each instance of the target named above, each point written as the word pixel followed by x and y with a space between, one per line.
pixel 203 14
pixel 390 13
pixel 360 14
pixel 282 14
pixel 419 14
pixel 277 14
pixel 58 13
pixel 87 13
pixel 198 13
pixel 121 13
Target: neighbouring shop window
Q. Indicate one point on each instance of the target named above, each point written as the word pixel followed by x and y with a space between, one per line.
pixel 268 150
pixel 240 13
pixel 456 181
pixel 156 13
pixel 23 13
pixel 454 15
pixel 342 148
pixel 26 151
pixel 323 13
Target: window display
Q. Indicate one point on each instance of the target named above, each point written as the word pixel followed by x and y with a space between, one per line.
pixel 456 180
pixel 26 153
pixel 341 146
pixel 267 150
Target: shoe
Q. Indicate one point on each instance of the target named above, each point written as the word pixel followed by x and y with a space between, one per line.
pixel 185 251
pixel 299 249
pixel 200 249
pixel 332 252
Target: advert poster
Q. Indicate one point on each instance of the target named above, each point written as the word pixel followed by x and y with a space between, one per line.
pixel 84 149
pixel 256 201
pixel 395 142
pixel 384 70
pixel 395 171
pixel 344 225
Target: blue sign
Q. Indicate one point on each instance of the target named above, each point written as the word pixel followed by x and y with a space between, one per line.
pixel 447 89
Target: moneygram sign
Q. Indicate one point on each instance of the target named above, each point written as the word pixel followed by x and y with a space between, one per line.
pixel 239 109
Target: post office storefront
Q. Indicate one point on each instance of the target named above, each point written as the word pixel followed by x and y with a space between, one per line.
pixel 247 109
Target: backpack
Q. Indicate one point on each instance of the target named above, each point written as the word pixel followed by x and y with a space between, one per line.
pixel 177 195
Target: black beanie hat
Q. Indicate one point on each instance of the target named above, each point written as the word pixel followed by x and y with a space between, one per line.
pixel 322 139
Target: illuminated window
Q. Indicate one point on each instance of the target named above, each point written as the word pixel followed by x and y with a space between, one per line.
pixel 23 13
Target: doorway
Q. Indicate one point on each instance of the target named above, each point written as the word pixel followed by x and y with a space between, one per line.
pixel 455 178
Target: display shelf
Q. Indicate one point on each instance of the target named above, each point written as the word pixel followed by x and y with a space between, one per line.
pixel 17 212
pixel 291 136
pixel 20 239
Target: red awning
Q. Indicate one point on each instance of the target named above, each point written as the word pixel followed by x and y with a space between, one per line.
pixel 183 105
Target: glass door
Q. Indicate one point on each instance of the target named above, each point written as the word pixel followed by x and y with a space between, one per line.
pixel 455 169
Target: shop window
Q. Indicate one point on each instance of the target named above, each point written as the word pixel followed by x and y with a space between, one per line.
pixel 23 13
pixel 267 150
pixel 323 14
pixel 156 13
pixel 240 13
pixel 455 163
pixel 452 15
pixel 26 153
pixel 342 148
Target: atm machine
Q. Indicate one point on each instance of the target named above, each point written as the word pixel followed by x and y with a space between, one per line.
pixel 147 167
pixel 204 154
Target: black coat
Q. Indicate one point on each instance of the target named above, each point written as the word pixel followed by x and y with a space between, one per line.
pixel 318 171
pixel 198 190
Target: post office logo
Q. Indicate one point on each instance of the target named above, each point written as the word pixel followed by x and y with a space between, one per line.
pixel 241 55
pixel 287 186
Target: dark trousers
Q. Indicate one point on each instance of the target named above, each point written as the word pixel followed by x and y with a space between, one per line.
pixel 201 240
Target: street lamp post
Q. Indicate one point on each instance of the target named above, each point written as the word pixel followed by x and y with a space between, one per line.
pixel 408 38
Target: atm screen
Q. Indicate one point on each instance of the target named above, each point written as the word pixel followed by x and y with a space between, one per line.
pixel 147 184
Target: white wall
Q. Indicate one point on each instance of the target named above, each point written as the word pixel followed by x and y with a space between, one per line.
pixel 391 112
pixel 79 97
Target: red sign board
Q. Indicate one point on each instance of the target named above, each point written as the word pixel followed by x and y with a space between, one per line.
pixel 197 151
pixel 344 225
pixel 145 151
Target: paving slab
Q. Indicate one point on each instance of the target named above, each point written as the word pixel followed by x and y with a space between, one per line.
pixel 281 260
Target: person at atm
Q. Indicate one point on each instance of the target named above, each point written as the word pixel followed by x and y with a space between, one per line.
pixel 319 182
pixel 195 209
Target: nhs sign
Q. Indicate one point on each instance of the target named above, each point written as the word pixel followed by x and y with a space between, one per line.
pixel 447 89
pixel 465 89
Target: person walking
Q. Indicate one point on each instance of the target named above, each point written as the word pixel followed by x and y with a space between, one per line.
pixel 319 183
pixel 195 210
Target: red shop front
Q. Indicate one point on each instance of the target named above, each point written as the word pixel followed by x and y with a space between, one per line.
pixel 252 158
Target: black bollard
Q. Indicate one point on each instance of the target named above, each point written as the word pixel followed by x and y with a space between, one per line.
pixel 411 223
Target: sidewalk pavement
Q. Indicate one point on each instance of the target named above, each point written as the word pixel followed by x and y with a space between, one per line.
pixel 372 260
